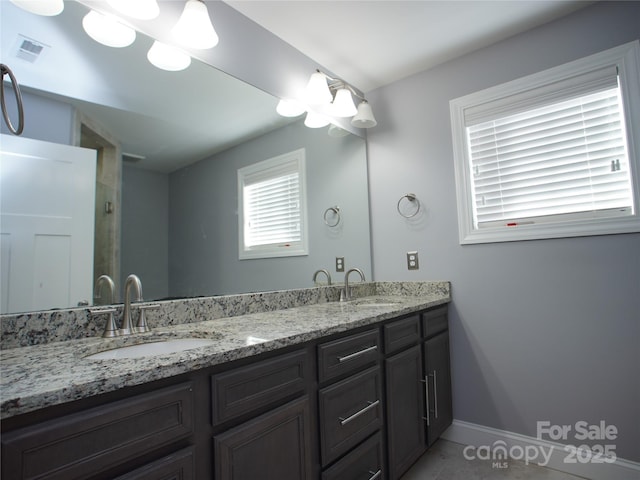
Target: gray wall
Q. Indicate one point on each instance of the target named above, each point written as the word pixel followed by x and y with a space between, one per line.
pixel 44 118
pixel 145 236
pixel 540 330
pixel 204 216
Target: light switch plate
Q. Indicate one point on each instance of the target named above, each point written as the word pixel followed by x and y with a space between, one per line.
pixel 339 264
pixel 412 261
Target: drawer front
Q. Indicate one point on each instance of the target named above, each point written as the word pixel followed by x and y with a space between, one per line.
pixel 401 333
pixel 85 443
pixel 365 462
pixel 250 388
pixel 348 355
pixel 350 411
pixel 177 466
pixel 435 321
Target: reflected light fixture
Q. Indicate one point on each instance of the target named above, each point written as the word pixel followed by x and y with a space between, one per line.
pixel 142 9
pixel 168 57
pixel 48 8
pixel 194 28
pixel 326 97
pixel 107 30
pixel 315 120
pixel 290 108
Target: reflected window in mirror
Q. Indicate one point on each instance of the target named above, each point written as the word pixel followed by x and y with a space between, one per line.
pixel 272 207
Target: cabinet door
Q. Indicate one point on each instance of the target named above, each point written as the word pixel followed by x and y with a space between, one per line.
pixel 273 446
pixel 405 410
pixel 438 378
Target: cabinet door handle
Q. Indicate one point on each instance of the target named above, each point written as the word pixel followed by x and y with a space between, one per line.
pixel 356 354
pixel 344 421
pixel 375 475
pixel 426 397
pixel 435 394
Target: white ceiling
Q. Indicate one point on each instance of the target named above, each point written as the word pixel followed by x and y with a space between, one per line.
pixel 371 43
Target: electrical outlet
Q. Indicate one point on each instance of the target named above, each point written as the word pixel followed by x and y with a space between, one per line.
pixel 412 261
pixel 339 264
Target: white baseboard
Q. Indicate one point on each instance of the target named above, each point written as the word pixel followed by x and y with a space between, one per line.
pixel 479 436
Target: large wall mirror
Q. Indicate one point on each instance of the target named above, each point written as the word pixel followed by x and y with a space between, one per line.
pixel 169 145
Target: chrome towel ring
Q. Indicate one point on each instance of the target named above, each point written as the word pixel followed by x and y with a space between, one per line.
pixel 414 201
pixel 334 219
pixel 16 88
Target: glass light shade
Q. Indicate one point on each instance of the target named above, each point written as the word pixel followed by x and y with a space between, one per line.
pixel 194 28
pixel 290 108
pixel 317 92
pixel 343 105
pixel 107 30
pixel 142 9
pixel 315 120
pixel 48 8
pixel 167 57
pixel 364 118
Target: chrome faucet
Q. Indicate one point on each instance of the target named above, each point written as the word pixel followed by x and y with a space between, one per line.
pixel 97 293
pixel 322 270
pixel 110 329
pixel 345 293
pixel 127 326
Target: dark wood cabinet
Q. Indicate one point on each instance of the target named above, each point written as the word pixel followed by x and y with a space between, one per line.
pixel 93 441
pixel 359 405
pixel 418 389
pixel 439 412
pixel 273 446
pixel 177 466
pixel 405 410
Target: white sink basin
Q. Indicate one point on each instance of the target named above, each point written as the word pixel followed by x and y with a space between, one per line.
pixel 152 348
pixel 373 302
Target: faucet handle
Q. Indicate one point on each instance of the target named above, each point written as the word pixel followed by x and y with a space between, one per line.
pixel 141 325
pixel 110 328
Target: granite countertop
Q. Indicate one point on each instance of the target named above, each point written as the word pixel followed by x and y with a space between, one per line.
pixel 34 377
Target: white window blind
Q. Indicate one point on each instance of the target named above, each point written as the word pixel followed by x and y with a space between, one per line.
pixel 273 211
pixel 553 154
pixel 273 207
pixel 561 159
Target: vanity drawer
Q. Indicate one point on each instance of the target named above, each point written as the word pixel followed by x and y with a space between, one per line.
pixel 365 462
pixel 435 321
pixel 401 333
pixel 347 355
pixel 83 444
pixel 258 385
pixel 350 411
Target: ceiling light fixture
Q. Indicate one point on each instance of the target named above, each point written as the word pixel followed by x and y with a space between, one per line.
pixel 48 8
pixel 107 30
pixel 194 28
pixel 327 97
pixel 168 57
pixel 142 9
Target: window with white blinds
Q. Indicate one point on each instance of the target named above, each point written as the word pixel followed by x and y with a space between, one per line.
pixel 272 214
pixel 550 156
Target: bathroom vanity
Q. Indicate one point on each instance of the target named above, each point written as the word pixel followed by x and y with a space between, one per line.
pixel 331 390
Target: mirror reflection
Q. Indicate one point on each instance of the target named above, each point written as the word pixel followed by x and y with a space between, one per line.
pixel 168 146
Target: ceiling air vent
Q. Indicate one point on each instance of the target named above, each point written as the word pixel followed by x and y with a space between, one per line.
pixel 29 49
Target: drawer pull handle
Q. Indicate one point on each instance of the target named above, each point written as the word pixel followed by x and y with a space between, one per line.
pixel 435 394
pixel 426 396
pixel 356 354
pixel 375 475
pixel 344 421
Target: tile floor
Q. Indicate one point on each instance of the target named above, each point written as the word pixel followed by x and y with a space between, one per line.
pixel 445 461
